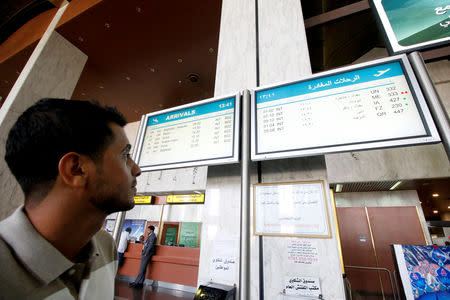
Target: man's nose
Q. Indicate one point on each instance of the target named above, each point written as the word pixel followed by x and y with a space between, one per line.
pixel 135 170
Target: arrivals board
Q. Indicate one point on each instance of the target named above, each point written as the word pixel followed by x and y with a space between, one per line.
pixel 414 24
pixel 371 105
pixel 200 133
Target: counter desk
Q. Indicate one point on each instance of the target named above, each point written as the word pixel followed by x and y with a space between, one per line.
pixel 177 265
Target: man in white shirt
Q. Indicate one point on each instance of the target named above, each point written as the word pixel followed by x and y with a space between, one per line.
pixel 123 244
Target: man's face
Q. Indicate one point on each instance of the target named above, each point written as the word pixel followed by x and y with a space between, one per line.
pixel 114 184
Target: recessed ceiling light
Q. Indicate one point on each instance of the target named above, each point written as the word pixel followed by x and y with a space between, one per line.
pixel 101 87
pixel 435 211
pixel 107 25
pixel 84 94
pixel 160 105
pixel 211 50
pixel 339 187
pixel 435 195
pixel 180 60
pixel 153 70
pixel 127 78
pixel 179 81
pixel 80 39
pixel 395 185
pixel 138 9
pixel 448 207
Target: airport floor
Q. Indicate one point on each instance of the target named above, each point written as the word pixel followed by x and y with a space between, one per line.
pixel 148 292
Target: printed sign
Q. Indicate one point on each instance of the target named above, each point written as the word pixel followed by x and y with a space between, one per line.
pixel 223 265
pixel 194 198
pixel 302 286
pixel 293 209
pixel 302 252
pixel 143 199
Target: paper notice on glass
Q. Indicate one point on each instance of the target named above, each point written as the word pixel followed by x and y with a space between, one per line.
pixel 302 286
pixel 224 260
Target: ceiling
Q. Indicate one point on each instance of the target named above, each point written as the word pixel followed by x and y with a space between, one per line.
pixel 144 56
pixel 425 188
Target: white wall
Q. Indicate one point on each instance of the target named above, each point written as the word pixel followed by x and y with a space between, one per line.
pixel 52 70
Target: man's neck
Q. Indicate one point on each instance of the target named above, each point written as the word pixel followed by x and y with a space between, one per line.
pixel 59 223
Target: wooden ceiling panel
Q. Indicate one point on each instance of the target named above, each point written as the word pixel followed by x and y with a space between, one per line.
pixel 140 53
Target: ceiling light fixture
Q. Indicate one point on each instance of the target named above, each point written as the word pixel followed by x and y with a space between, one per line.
pixel 435 211
pixel 339 187
pixel 435 195
pixel 395 185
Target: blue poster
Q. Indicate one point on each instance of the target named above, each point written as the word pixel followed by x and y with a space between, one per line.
pixel 137 227
pixel 427 271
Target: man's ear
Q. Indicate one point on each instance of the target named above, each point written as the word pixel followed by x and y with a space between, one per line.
pixel 74 169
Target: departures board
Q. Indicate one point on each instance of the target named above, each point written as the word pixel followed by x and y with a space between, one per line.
pixel 196 134
pixel 372 105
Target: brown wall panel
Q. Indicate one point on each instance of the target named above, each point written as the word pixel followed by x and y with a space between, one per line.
pixel 357 248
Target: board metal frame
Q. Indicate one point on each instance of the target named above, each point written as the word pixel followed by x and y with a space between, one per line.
pixel 234 158
pixel 426 118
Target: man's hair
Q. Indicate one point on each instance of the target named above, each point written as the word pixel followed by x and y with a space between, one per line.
pixel 48 130
pixel 128 229
pixel 151 227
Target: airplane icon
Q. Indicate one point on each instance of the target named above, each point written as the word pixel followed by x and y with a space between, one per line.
pixel 155 120
pixel 381 72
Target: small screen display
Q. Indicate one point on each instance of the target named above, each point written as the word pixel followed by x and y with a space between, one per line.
pixel 196 134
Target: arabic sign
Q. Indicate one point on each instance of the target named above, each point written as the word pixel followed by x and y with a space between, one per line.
pixel 196 134
pixel 143 199
pixel 300 251
pixel 223 264
pixel 291 209
pixel 194 198
pixel 302 286
pixel 414 24
pixel 372 105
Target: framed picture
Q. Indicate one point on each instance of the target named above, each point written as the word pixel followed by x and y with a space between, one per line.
pixel 291 209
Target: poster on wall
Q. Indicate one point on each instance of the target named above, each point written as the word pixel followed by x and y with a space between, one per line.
pixel 424 271
pixel 291 209
pixel 109 225
pixel 190 234
pixel 137 227
pixel 414 24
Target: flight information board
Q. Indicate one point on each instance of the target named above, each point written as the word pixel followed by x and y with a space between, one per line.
pixel 201 133
pixel 371 105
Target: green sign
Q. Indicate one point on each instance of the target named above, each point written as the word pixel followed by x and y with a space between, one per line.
pixel 190 235
pixel 414 24
pixel 171 236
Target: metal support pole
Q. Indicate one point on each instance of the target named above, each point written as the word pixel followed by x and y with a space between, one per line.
pixel 434 102
pixel 244 266
pixel 118 226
